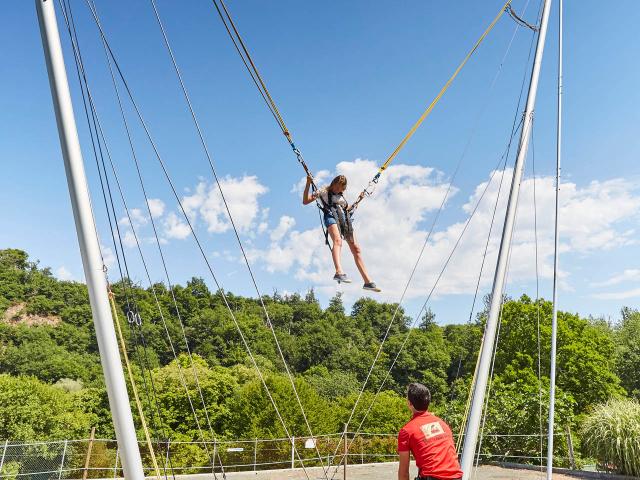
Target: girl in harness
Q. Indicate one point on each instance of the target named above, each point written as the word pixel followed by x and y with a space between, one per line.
pixel 337 220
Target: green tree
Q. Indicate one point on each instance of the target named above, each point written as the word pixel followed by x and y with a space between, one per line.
pixel 628 351
pixel 31 410
pixel 217 386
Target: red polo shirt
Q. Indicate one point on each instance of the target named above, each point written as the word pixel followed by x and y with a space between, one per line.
pixel 431 442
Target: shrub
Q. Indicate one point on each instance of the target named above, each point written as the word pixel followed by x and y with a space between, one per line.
pixel 611 434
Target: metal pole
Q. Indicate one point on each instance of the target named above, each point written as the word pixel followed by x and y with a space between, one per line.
pixel 554 320
pixel 293 451
pixel 4 452
pixel 64 453
pixel 255 454
pixel 475 415
pixel 89 246
pixel 346 452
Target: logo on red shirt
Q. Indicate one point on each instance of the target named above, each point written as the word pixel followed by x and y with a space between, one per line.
pixel 431 430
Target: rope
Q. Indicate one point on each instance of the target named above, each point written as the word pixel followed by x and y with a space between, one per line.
pixel 226 205
pixel 134 390
pixel 519 20
pixel 368 190
pixel 250 65
pixel 465 150
pixel 111 56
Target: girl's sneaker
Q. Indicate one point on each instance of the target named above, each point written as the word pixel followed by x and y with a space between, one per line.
pixel 372 287
pixel 341 278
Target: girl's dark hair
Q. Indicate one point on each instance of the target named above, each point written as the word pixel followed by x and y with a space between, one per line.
pixel 339 180
pixel 419 396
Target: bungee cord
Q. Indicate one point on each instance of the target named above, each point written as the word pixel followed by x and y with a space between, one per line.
pixel 260 84
pixel 250 65
pixel 368 190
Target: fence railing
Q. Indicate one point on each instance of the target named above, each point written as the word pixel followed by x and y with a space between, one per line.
pixel 99 458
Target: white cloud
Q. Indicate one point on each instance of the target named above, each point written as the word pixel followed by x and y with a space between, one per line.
pixel 629 275
pixel 619 295
pixel 175 227
pixel 391 227
pixel 156 206
pixel 137 217
pixel 129 239
pixel 63 274
pixel 108 256
pixel 242 198
pixel 286 224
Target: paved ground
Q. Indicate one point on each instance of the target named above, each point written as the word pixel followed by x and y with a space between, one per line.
pixel 385 471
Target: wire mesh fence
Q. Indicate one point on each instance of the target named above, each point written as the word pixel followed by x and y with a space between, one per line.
pixel 99 458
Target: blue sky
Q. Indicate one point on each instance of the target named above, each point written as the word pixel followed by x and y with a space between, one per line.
pixel 350 79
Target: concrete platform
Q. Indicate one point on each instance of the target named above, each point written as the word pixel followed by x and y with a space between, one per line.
pixel 373 471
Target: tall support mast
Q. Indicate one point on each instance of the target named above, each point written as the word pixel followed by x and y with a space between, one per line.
pixel 89 246
pixel 475 414
pixel 554 321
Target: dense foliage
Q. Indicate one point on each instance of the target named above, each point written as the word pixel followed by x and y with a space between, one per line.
pixel 48 357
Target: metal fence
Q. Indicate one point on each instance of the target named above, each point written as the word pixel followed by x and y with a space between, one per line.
pixel 98 458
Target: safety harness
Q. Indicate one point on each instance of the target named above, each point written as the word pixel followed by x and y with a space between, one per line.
pixel 340 212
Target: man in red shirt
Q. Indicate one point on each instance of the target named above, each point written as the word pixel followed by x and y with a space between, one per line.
pixel 429 439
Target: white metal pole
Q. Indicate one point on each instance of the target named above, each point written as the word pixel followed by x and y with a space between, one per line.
pixel 89 246
pixel 293 453
pixel 475 414
pixel 554 319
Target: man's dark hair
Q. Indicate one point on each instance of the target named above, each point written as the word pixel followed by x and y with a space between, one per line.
pixel 419 396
